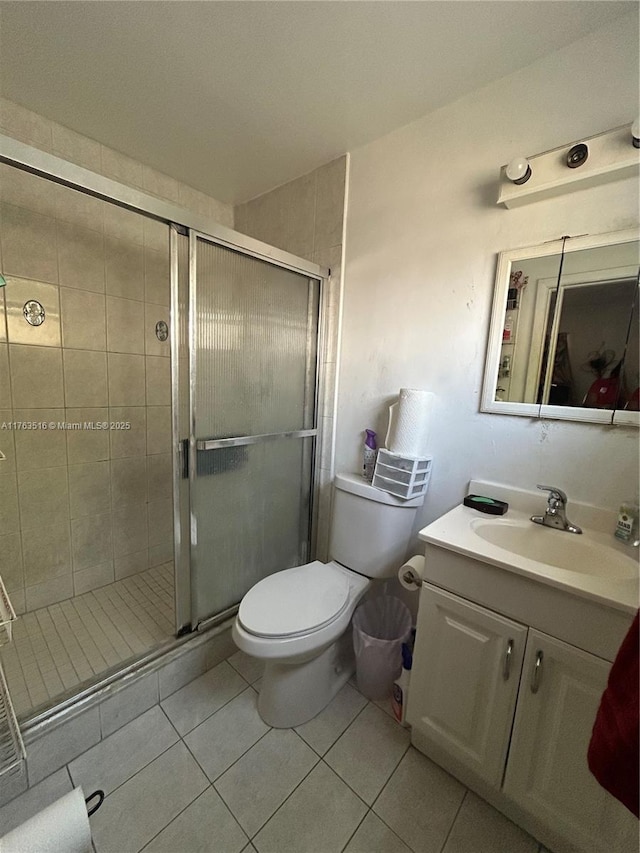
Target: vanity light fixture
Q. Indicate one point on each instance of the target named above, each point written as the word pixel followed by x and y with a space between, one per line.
pixel 518 170
pixel 635 133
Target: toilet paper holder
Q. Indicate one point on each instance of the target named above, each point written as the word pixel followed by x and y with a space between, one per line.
pixel 93 809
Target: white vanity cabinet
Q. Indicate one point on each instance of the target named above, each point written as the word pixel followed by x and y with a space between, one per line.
pixel 509 710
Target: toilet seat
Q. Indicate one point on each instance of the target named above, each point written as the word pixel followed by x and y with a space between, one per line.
pixel 295 602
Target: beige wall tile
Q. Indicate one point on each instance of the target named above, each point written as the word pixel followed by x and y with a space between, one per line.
pixel 89 489
pixel 9 518
pixel 124 268
pixel 87 445
pixel 157 277
pixel 3 325
pixel 43 496
pixel 161 185
pixel 25 125
pixel 84 319
pixel 128 481
pixel 79 208
pixel 17 292
pixel 28 244
pixel 131 564
pixel 156 235
pixel 301 215
pixel 160 514
pixel 25 190
pixel 121 168
pixel 152 315
pixel 158 429
pixel 49 592
pixel 130 533
pixel 36 377
pixel 5 378
pixel 126 380
pixel 194 200
pixel 87 579
pixel 11 568
pixel 81 257
pixel 46 553
pixel 91 541
pixel 159 554
pixel 158 378
pixel 40 448
pixel 128 442
pixel 125 325
pixel 85 378
pixel 123 224
pixel 160 476
pixel 330 204
pixel 7 437
pixel 75 147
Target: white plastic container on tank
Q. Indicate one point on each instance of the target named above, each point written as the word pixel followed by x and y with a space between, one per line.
pixel 370 529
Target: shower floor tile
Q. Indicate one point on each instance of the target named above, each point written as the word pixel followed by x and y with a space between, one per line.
pixel 60 646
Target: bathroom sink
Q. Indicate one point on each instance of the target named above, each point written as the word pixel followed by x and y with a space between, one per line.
pixel 583 553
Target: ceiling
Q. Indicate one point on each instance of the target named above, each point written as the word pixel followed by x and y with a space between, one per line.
pixel 235 98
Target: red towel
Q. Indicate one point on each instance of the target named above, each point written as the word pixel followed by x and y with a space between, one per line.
pixel 614 754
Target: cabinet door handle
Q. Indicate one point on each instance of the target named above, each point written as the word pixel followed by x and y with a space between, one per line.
pixel 506 669
pixel 537 672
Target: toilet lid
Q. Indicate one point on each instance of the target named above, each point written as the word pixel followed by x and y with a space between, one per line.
pixel 295 601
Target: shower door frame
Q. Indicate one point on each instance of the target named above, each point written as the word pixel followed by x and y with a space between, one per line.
pixel 185 610
pixel 179 221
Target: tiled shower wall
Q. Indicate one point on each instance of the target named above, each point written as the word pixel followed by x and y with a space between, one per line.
pixel 80 508
pixel 305 217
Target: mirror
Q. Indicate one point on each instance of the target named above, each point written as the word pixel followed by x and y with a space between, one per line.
pixel 564 333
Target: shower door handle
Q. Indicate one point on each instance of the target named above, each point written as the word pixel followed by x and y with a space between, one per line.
pixel 184 458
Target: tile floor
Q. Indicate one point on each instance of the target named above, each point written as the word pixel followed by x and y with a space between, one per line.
pixel 202 773
pixel 62 645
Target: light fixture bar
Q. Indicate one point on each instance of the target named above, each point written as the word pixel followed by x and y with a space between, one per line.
pixel 611 157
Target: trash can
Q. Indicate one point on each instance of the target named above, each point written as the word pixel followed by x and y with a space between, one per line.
pixel 380 627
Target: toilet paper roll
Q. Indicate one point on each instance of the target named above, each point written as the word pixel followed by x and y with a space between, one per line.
pixel 410 423
pixel 64 825
pixel 411 573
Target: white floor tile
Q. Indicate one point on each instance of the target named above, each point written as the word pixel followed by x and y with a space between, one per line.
pixel 320 815
pixel 138 810
pixel 204 826
pixel 250 669
pixel 259 782
pixel 479 828
pixel 196 701
pixel 227 734
pixel 374 836
pixel 121 755
pixel 420 803
pixel 368 752
pixel 324 730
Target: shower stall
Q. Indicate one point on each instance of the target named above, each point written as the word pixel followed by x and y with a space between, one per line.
pixel 160 383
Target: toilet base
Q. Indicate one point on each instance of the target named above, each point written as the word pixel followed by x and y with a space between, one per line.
pixel 292 694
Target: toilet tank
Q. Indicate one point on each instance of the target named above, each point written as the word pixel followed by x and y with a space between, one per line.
pixel 370 529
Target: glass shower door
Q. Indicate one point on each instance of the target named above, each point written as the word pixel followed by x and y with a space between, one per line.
pixel 253 367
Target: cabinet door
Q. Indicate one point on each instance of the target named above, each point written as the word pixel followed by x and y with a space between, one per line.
pixel 547 772
pixel 464 680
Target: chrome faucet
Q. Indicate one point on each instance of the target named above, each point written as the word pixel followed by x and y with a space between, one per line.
pixel 556 512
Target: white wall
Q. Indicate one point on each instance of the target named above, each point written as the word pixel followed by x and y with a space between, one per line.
pixel 423 233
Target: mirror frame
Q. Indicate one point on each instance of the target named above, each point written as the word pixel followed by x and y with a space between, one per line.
pixel 488 403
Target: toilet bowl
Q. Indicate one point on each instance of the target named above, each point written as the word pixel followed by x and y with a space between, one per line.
pixel 298 620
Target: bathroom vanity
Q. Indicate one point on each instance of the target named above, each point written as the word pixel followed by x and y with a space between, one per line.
pixel 517 628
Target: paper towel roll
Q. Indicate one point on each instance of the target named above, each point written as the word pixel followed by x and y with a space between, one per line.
pixel 410 574
pixel 410 422
pixel 64 825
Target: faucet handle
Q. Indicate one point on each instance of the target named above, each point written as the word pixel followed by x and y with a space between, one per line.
pixel 556 494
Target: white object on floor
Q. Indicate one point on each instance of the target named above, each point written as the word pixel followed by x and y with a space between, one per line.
pixel 64 825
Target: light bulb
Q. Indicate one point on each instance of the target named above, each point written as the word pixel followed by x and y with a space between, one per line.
pixel 518 170
pixel 635 133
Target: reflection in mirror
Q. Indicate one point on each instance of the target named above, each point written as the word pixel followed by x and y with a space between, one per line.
pixel 564 332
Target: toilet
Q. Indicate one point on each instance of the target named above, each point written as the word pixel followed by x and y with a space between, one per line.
pixel 298 621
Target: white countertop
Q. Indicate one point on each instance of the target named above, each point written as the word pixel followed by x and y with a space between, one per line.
pixel 457 531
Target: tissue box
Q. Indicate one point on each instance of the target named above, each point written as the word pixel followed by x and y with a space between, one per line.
pixel 403 476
